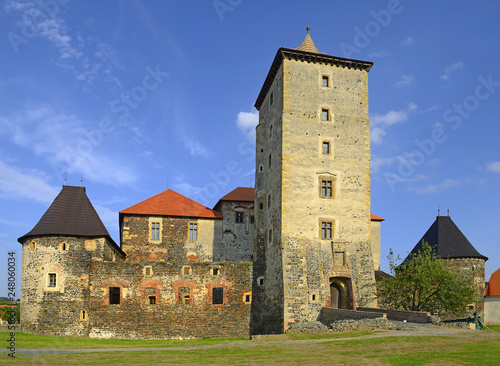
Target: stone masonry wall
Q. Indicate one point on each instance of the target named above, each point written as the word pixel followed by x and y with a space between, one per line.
pixel 173 315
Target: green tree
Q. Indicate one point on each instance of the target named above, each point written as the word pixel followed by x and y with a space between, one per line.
pixel 423 283
pixel 8 313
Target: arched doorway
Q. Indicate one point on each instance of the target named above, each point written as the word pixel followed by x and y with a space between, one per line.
pixel 336 296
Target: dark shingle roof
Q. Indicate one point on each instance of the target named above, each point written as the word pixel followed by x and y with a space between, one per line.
pixel 447 240
pixel 70 214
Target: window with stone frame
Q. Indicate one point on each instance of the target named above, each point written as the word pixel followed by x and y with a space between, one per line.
pixel 193 231
pixel 239 217
pixel 326 185
pixel 325 81
pixel 114 295
pixel 184 295
pixel 325 114
pixel 217 295
pixel 52 280
pixel 154 230
pixel 326 229
pixel 326 147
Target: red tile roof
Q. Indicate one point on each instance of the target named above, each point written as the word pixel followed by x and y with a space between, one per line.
pixel 376 218
pixel 493 288
pixel 171 203
pixel 240 194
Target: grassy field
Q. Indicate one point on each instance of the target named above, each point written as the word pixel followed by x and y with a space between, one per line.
pixel 473 348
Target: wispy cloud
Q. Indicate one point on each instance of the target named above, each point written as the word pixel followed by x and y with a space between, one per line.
pixel 377 54
pixel 182 117
pixel 31 184
pixel 407 41
pixel 404 81
pixel 380 122
pixel 450 69
pixel 246 123
pixel 435 188
pixel 493 166
pixel 67 144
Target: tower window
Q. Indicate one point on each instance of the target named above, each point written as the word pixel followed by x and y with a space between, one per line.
pixel 114 295
pixel 217 295
pixel 326 230
pixel 326 147
pixel 270 131
pixel 52 280
pixel 325 81
pixel 271 98
pixel 239 218
pixel 152 300
pixel 193 231
pixel 326 189
pixel 269 161
pixel 325 114
pixel 252 219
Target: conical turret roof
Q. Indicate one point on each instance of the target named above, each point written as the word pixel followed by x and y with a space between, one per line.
pixel 70 214
pixel 308 44
pixel 447 241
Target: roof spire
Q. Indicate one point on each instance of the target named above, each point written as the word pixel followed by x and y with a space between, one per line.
pixel 439 211
pixel 81 180
pixel 308 44
pixel 65 177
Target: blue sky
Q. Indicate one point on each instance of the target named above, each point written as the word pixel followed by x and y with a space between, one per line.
pixel 136 96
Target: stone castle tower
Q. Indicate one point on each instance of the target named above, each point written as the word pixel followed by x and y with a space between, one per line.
pixel 312 190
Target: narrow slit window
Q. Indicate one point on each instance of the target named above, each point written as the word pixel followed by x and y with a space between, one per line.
pixel 239 219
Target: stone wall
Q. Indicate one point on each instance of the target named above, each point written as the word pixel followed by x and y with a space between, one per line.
pixel 401 315
pixel 492 310
pixel 174 244
pixel 237 237
pixel 183 300
pixel 329 315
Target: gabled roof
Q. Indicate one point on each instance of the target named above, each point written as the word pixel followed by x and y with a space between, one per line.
pixel 240 194
pixel 71 214
pixel 493 287
pixel 171 203
pixel 447 240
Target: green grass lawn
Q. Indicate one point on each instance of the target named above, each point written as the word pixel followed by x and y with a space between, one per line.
pixel 472 348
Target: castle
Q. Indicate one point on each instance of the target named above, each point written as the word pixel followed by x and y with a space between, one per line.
pixel 261 259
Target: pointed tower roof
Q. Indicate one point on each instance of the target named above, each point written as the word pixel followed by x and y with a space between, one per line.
pixel 447 240
pixel 171 203
pixel 70 214
pixel 493 287
pixel 308 44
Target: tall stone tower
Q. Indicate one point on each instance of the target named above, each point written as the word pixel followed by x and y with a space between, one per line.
pixel 312 196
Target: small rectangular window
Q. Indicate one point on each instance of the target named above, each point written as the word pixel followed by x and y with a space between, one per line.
pixel 252 219
pixel 239 218
pixel 326 189
pixel 152 300
pixel 271 99
pixel 326 230
pixel 269 161
pixel 325 81
pixel 217 295
pixel 325 114
pixel 114 295
pixel 155 231
pixel 326 147
pixel 193 231
pixel 269 201
pixel 52 280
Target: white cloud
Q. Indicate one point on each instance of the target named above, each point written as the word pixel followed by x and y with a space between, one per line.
pixel 377 135
pixel 405 80
pixel 377 163
pixel 377 54
pixel 31 184
pixel 435 188
pixel 390 118
pixel 450 69
pixel 246 123
pixel 67 144
pixel 380 122
pixel 407 41
pixel 493 166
